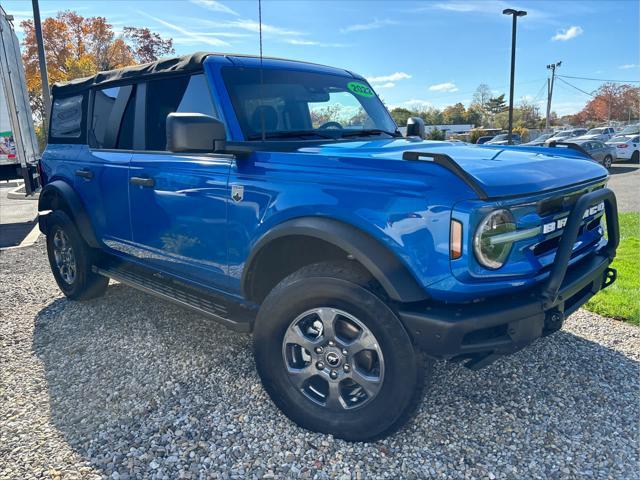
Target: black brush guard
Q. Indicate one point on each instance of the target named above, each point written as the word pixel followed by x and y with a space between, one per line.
pixel 479 333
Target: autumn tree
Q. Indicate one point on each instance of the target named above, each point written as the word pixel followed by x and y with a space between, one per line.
pixel 77 46
pixel 611 102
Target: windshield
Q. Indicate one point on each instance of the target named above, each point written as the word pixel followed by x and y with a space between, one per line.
pixel 543 137
pixel 497 138
pixel 619 139
pixel 595 131
pixel 304 104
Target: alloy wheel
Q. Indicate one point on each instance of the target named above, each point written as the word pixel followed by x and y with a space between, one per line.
pixel 333 359
pixel 64 256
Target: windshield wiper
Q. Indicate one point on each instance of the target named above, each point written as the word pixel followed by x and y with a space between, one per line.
pixel 369 132
pixel 290 134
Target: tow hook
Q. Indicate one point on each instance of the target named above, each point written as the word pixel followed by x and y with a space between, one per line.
pixel 553 322
pixel 609 277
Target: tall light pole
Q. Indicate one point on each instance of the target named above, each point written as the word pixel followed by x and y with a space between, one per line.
pixel 515 14
pixel 551 67
pixel 46 93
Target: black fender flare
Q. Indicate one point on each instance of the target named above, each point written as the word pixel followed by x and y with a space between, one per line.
pixel 396 279
pixel 59 189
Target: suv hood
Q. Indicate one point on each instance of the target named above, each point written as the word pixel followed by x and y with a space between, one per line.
pixel 501 170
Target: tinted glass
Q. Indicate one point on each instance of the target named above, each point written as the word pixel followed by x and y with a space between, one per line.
pixel 293 101
pixel 125 136
pixel 178 94
pixel 66 117
pixel 103 103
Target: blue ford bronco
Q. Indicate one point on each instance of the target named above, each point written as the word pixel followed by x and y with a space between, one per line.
pixel 279 198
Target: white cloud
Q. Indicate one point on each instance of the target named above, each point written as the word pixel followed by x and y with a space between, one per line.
pixel 416 103
pixel 253 26
pixel 214 6
pixel 195 37
pixel 385 85
pixel 567 34
pixel 628 66
pixel 444 87
pixel 394 77
pixel 375 24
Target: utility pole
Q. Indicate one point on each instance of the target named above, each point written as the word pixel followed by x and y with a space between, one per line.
pixel 515 14
pixel 46 93
pixel 551 67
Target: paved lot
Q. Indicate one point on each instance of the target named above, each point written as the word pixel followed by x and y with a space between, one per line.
pixel 127 386
pixel 625 183
pixel 17 217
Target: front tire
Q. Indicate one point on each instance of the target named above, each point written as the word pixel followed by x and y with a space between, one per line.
pixel 607 162
pixel 334 357
pixel 71 259
pixel 635 157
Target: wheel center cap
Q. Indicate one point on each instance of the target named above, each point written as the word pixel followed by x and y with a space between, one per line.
pixel 333 359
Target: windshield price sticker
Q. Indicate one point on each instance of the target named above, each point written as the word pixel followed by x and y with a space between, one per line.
pixel 360 89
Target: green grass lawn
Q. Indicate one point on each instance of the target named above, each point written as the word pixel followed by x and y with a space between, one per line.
pixel 622 299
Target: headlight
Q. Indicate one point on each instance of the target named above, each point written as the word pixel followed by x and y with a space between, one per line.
pixel 492 254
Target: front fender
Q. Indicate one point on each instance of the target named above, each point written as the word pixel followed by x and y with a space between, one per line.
pixel 386 268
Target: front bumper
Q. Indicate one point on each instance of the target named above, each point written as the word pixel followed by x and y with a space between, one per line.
pixel 479 333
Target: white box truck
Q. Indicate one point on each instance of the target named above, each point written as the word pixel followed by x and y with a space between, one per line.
pixel 19 152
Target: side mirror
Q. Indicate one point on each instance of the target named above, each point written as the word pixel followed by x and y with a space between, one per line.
pixel 415 127
pixel 193 132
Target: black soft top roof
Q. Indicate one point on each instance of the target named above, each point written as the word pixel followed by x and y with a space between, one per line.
pixel 187 63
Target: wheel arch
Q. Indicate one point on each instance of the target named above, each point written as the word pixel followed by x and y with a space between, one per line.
pixel 59 195
pixel 298 242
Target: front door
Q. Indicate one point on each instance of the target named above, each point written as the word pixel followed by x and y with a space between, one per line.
pixel 178 201
pixel 179 214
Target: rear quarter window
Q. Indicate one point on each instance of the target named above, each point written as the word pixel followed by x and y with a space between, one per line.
pixel 67 123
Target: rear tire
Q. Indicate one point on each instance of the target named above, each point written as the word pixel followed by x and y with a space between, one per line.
pixel 607 162
pixel 71 259
pixel 358 376
pixel 635 157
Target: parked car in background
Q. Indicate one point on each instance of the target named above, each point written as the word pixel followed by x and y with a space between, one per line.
pixel 539 140
pixel 630 130
pixel 599 151
pixel 564 134
pixel 601 133
pixel 627 147
pixel 484 139
pixel 503 139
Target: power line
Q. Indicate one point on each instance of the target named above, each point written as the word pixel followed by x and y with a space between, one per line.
pixel 573 86
pixel 600 79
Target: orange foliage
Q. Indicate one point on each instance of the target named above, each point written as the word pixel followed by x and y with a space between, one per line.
pixel 77 46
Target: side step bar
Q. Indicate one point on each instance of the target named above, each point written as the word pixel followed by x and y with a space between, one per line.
pixel 232 315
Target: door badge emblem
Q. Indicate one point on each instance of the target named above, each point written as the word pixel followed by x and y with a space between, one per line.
pixel 237 193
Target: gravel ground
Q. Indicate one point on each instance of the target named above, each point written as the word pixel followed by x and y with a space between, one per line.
pixel 127 386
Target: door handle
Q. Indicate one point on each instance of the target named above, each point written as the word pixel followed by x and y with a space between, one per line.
pixel 142 181
pixel 84 173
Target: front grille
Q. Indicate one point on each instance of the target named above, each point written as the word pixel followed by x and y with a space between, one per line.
pixel 551 244
pixel 551 206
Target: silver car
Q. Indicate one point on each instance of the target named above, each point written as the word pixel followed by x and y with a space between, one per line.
pixel 601 134
pixel 563 135
pixel 600 152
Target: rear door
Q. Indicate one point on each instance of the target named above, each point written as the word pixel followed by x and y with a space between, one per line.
pixel 102 173
pixel 179 201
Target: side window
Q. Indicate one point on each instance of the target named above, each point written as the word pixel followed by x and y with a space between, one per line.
pixel 112 117
pixel 177 94
pixel 66 117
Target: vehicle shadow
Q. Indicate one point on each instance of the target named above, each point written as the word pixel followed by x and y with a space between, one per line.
pixel 617 169
pixel 133 380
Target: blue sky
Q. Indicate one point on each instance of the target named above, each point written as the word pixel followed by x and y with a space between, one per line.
pixel 415 53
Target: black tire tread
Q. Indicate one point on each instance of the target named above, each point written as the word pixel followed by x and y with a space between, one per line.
pixel 353 272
